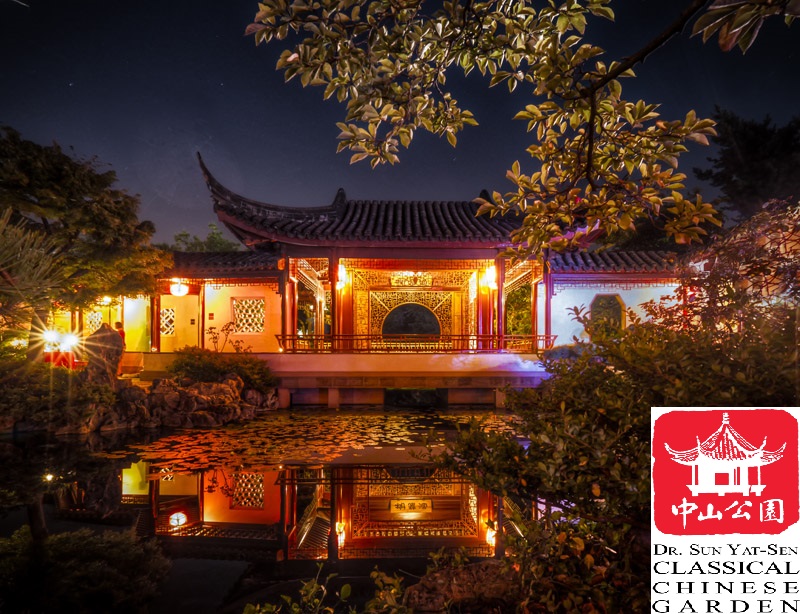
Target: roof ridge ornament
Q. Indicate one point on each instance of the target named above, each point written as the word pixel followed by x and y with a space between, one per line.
pixel 341 198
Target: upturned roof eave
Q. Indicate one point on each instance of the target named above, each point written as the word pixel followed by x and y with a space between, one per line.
pixel 251 235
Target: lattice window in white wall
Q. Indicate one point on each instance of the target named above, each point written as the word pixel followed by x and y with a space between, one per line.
pixel 168 321
pixel 248 315
pixel 92 321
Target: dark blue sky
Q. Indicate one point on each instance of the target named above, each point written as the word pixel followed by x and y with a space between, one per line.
pixel 143 85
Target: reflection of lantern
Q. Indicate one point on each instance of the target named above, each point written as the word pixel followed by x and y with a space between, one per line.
pixel 178 288
pixel 340 534
pixel 491 536
pixel 178 519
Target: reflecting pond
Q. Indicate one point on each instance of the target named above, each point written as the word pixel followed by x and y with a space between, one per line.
pixel 289 485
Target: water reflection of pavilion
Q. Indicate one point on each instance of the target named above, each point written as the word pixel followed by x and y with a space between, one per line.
pixel 339 511
pixel 309 485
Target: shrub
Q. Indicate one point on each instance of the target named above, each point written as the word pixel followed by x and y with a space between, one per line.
pixel 79 571
pixel 47 396
pixel 208 366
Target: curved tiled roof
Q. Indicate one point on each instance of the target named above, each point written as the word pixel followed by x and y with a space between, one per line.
pixel 208 265
pixel 360 222
pixel 611 261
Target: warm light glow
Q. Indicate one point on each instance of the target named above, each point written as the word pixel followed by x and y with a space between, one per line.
pixel 18 343
pixel 489 278
pixel 178 288
pixel 51 340
pixel 68 342
pixel 342 280
pixel 178 519
pixel 49 477
pixel 340 534
pixel 491 537
pixel 106 300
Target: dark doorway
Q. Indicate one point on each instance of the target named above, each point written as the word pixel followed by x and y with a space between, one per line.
pixel 411 319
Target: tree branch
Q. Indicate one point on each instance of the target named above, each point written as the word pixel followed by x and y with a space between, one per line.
pixel 676 27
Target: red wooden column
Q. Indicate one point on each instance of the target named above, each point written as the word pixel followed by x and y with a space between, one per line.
pixel 548 294
pixel 333 275
pixel 534 307
pixel 155 323
pixel 500 268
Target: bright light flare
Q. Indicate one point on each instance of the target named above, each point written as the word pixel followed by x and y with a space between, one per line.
pixel 68 342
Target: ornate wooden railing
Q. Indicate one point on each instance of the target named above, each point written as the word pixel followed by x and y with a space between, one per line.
pixel 432 344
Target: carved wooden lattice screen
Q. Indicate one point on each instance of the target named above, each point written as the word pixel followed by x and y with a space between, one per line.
pixel 168 321
pixel 248 315
pixel 446 291
pixel 93 321
pixel 248 491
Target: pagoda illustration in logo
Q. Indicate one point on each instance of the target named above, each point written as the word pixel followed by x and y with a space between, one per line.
pixel 726 462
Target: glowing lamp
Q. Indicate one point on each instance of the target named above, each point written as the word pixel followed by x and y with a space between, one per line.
pixel 49 477
pixel 178 519
pixel 178 288
pixel 106 300
pixel 51 340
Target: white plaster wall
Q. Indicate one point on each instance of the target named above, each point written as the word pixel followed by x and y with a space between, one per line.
pixel 219 311
pixel 566 297
pixel 187 315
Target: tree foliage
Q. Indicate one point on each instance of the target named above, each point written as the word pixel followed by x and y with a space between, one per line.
pixel 756 162
pixel 727 337
pixel 101 246
pixel 29 272
pixel 215 241
pixel 79 571
pixel 601 161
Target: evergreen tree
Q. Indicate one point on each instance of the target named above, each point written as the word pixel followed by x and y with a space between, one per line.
pixel 756 161
pixel 101 246
pixel 215 241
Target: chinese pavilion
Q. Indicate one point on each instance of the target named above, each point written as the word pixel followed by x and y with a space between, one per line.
pixel 721 464
pixel 352 299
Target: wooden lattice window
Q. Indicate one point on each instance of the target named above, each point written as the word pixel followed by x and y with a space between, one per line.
pixel 248 491
pixel 248 315
pixel 168 321
pixel 93 321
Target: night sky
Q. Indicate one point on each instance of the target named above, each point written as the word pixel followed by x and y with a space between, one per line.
pixel 145 84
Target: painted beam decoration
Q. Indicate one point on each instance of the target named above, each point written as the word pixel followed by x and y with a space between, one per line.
pixel 725 509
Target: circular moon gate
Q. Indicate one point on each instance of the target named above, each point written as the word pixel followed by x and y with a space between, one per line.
pixel 411 319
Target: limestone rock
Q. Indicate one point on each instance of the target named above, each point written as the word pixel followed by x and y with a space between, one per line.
pixel 104 348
